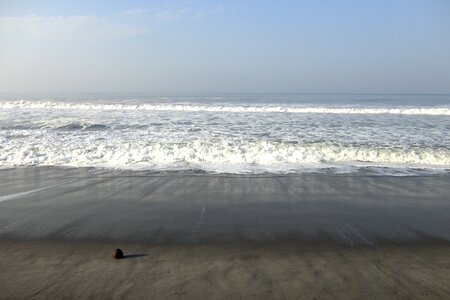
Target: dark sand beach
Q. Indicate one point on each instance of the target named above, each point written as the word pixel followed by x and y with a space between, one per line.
pixel 217 236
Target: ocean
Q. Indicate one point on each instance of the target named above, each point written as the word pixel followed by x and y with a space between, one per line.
pixel 232 134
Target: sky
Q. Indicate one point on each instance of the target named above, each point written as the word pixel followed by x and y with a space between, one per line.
pixel 316 46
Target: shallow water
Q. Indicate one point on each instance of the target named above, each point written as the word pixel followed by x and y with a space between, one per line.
pixel 352 210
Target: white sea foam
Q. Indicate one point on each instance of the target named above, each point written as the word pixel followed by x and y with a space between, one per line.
pixel 303 109
pixel 218 156
pixel 231 137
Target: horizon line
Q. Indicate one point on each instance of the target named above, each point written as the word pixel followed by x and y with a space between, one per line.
pixel 230 93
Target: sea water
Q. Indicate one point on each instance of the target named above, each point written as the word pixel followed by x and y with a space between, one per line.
pixel 250 134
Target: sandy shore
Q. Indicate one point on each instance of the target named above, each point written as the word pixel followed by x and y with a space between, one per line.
pixel 45 269
pixel 191 236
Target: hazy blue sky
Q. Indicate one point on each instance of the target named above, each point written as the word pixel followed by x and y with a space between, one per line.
pixel 225 46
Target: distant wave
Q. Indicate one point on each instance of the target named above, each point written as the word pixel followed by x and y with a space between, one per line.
pixel 230 108
pixel 218 156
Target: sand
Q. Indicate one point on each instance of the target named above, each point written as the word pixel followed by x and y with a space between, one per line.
pixel 194 236
pixel 38 270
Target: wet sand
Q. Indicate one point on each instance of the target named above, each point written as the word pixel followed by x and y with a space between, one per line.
pixel 189 236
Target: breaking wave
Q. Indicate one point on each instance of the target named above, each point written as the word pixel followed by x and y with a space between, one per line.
pixel 217 156
pixel 227 137
pixel 445 111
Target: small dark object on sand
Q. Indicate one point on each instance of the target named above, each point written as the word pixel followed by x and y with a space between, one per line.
pixel 118 254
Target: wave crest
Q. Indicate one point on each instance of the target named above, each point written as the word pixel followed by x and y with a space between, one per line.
pixel 219 156
pixel 230 108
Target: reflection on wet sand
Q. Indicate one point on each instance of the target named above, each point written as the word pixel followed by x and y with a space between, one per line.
pixel 64 203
